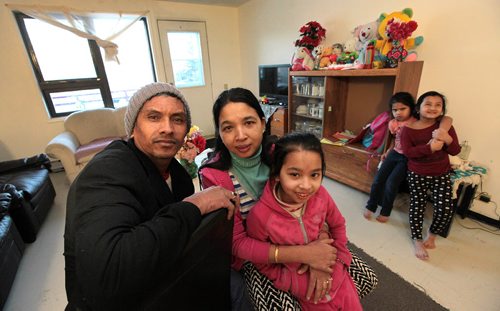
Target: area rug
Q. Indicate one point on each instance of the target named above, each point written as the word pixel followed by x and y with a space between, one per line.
pixel 392 291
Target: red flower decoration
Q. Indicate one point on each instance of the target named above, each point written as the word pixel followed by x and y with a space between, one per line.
pixel 311 35
pixel 398 30
pixel 194 144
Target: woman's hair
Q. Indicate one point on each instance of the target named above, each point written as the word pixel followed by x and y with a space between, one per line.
pixel 427 94
pixel 220 157
pixel 291 142
pixel 406 99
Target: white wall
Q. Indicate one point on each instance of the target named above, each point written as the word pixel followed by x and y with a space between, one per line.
pixel 25 126
pixel 460 50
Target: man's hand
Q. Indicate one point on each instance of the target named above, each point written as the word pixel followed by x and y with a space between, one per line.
pixel 214 198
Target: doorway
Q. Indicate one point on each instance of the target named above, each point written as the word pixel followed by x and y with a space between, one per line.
pixel 184 50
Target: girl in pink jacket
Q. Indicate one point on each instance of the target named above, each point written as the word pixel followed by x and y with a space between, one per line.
pixel 293 210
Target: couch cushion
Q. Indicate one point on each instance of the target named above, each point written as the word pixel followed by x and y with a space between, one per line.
pixel 28 181
pixel 86 152
pixel 92 124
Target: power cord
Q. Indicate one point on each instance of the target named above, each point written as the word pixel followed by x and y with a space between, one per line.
pixel 486 228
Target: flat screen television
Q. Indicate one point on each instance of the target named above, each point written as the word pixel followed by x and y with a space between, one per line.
pixel 273 83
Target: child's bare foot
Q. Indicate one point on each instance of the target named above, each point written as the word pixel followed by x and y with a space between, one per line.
pixel 430 241
pixel 420 250
pixel 368 214
pixel 381 218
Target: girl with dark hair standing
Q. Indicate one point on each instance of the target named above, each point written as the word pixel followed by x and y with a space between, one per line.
pixel 427 149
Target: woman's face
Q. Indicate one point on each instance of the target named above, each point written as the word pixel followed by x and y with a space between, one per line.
pixel 241 129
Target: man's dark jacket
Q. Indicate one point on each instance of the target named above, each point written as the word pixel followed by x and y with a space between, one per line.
pixel 125 230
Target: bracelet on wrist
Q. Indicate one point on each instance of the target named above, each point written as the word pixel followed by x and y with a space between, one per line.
pixel 276 253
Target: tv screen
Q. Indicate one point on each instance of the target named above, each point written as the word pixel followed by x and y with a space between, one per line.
pixel 273 81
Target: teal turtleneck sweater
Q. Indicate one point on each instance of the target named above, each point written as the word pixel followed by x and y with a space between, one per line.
pixel 251 173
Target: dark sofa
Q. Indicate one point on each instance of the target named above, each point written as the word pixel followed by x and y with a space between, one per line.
pixel 27 181
pixel 11 248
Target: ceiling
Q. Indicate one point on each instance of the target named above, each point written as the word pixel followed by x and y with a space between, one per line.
pixel 232 3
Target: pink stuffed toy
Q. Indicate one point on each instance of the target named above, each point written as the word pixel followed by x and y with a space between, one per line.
pixel 302 60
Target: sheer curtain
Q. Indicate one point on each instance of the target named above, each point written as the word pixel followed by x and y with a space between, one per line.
pixel 84 24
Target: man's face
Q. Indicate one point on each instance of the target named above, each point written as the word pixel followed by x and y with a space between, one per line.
pixel 160 129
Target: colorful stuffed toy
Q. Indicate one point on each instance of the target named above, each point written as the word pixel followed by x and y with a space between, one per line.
pixel 326 57
pixel 384 45
pixel 302 60
pixel 316 53
pixel 364 35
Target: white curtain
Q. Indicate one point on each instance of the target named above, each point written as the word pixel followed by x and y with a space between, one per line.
pixel 83 23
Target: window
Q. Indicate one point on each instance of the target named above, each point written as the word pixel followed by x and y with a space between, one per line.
pixel 187 62
pixel 71 72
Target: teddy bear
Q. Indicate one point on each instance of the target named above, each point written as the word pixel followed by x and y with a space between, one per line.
pixel 384 44
pixel 302 60
pixel 326 57
pixel 363 34
pixel 316 53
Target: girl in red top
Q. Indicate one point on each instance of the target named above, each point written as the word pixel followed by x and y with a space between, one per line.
pixel 427 148
pixel 293 210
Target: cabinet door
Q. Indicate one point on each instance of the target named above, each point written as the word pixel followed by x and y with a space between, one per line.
pixel 279 124
pixel 351 164
pixel 306 105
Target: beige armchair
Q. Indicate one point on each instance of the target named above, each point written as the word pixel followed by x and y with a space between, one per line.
pixel 86 133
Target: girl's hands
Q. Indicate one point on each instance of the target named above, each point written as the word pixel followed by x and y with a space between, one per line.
pixel 436 144
pixel 442 135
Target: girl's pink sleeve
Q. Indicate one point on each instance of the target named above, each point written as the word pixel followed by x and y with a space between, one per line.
pixel 244 247
pixel 279 274
pixel 336 223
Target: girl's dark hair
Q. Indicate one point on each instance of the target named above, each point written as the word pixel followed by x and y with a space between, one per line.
pixel 427 94
pixel 295 141
pixel 406 99
pixel 234 95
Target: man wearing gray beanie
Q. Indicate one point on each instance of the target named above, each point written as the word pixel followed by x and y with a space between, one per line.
pixel 131 213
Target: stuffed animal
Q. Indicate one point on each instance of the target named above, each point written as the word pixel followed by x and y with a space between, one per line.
pixel 364 35
pixel 325 59
pixel 384 45
pixel 316 53
pixel 302 60
pixel 338 49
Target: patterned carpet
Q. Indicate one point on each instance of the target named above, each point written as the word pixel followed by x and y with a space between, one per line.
pixel 392 291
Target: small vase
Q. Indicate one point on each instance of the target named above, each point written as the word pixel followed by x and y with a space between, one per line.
pixel 396 54
pixel 190 167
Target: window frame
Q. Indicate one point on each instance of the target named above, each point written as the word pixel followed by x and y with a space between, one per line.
pixel 99 82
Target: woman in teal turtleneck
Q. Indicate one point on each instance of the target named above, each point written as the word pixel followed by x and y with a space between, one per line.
pixel 240 163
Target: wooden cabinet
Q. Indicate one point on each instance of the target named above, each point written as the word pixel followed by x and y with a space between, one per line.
pixel 279 122
pixel 324 102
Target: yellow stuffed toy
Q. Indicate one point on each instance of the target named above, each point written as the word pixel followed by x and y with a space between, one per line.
pixel 326 57
pixel 384 45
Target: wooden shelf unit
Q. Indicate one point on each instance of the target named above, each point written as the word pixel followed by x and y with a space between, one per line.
pixel 352 99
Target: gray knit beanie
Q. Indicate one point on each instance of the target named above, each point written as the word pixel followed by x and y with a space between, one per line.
pixel 146 93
